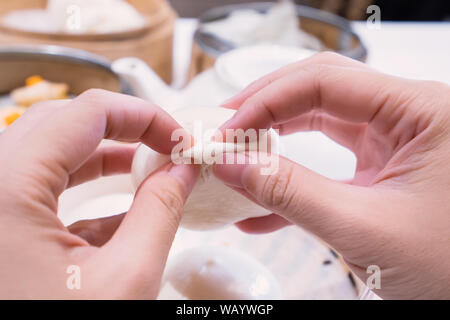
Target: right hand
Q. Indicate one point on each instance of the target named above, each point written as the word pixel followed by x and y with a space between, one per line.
pixel 395 214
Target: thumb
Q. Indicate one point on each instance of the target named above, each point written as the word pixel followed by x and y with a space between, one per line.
pixel 143 240
pixel 327 208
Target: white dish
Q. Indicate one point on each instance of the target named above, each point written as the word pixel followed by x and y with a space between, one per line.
pixel 239 68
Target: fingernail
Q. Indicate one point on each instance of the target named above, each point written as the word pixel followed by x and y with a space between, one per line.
pixel 186 175
pixel 232 169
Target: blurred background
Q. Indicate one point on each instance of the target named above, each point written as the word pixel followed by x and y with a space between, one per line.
pixel 393 10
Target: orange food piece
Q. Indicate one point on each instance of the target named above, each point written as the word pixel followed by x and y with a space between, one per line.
pixel 10 118
pixel 33 80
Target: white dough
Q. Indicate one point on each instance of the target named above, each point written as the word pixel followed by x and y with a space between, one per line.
pixel 218 273
pixel 211 204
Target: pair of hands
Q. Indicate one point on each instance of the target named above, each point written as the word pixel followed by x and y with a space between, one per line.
pixel 395 213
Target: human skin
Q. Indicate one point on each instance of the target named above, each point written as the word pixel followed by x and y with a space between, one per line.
pixel 395 213
pixel 54 146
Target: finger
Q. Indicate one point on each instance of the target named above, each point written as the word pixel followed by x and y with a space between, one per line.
pixel 106 161
pixel 345 133
pixel 261 225
pixel 72 134
pixel 330 58
pixel 98 231
pixel 324 207
pixel 147 231
pixel 328 88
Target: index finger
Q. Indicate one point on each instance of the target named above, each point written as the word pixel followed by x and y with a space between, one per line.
pixel 66 139
pixel 352 94
pixel 326 58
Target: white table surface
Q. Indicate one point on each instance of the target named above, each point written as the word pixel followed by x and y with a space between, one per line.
pixel 414 50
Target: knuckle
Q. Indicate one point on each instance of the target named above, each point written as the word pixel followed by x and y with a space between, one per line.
pixel 328 56
pixel 277 191
pixel 316 74
pixel 264 103
pixel 43 106
pixel 92 93
pixel 171 199
pixel 316 70
pixel 92 97
pixel 431 97
pixel 435 88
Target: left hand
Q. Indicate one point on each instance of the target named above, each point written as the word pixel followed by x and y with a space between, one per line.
pixel 54 146
pixel 394 214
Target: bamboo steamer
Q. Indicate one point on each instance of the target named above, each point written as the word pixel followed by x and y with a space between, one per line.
pixel 80 70
pixel 152 43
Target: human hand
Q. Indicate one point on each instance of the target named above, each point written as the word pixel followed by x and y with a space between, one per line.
pixel 395 214
pixel 54 146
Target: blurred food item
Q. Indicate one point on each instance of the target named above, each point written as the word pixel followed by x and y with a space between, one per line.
pixel 79 69
pixel 279 25
pixel 33 80
pixel 13 116
pixel 78 16
pixel 218 273
pixel 10 114
pixel 38 89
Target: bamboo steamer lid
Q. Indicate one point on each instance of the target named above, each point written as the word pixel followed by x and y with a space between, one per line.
pixel 152 43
